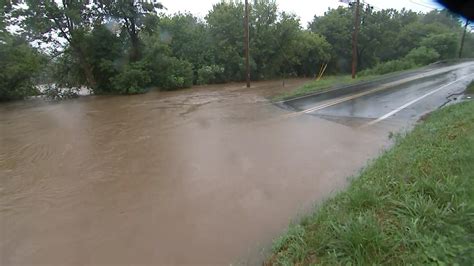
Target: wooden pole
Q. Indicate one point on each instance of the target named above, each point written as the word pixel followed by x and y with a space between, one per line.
pixel 463 38
pixel 247 45
pixel 354 40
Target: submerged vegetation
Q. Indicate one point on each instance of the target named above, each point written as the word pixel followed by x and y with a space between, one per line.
pixel 128 47
pixel 413 205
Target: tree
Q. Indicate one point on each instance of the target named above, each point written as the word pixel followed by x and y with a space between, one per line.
pixel 188 38
pixel 62 23
pixel 104 51
pixel 445 44
pixel 422 55
pixel 312 50
pixel 19 64
pixel 336 26
pixel 4 5
pixel 225 22
pixel 131 15
pixel 443 17
pixel 263 38
pixel 378 36
pixel 287 32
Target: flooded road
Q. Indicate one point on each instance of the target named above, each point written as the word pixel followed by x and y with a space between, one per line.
pixel 203 176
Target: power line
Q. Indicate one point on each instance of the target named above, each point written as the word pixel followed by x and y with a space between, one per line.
pixel 424 5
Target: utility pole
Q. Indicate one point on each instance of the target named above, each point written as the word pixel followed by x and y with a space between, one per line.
pixel 354 39
pixel 247 45
pixel 463 38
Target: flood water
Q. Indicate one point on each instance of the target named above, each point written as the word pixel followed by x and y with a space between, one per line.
pixel 203 176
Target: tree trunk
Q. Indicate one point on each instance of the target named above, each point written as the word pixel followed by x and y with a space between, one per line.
pixel 89 75
pixel 87 68
pixel 135 51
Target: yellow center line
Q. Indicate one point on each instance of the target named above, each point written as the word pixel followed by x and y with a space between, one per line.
pixel 380 88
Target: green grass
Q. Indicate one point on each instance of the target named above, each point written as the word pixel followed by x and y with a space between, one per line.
pixel 413 205
pixel 323 84
pixel 470 88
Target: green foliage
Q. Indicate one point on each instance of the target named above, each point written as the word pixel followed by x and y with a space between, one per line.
pixel 105 55
pixel 19 64
pixel 188 39
pixel 132 16
pixel 422 55
pixel 336 26
pixel 209 74
pixel 177 74
pixel 166 71
pixel 226 31
pixel 445 44
pixel 386 35
pixel 4 7
pixel 105 41
pixel 43 20
pixel 412 206
pixel 442 17
pixel 388 67
pixel 133 79
pixel 63 71
pixel 312 50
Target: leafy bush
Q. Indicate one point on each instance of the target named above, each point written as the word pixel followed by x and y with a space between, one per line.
pixel 209 74
pixel 422 55
pixel 132 79
pixel 177 74
pixel 64 71
pixel 445 44
pixel 19 64
pixel 388 67
pixel 105 56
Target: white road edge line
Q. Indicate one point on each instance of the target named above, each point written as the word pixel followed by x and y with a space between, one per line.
pixel 395 83
pixel 412 102
pixel 382 87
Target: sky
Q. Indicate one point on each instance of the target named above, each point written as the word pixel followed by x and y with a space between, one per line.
pixel 305 9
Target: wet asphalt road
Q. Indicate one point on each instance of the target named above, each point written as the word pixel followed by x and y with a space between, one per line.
pixel 401 101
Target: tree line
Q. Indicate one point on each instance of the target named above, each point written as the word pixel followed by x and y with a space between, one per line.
pixel 130 46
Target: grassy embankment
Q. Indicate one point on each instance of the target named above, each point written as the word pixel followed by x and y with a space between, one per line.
pixel 470 88
pixel 413 205
pixel 323 84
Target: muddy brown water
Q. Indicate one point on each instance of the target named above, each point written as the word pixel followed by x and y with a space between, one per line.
pixel 203 176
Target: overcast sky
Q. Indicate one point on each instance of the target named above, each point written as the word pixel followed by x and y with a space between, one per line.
pixel 305 9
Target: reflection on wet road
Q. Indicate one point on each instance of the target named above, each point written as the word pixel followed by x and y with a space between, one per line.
pixel 203 176
pixel 400 104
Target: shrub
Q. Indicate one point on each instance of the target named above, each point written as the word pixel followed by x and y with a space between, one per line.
pixel 104 53
pixel 422 55
pixel 445 44
pixel 389 66
pixel 132 79
pixel 64 72
pixel 209 74
pixel 19 64
pixel 177 74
